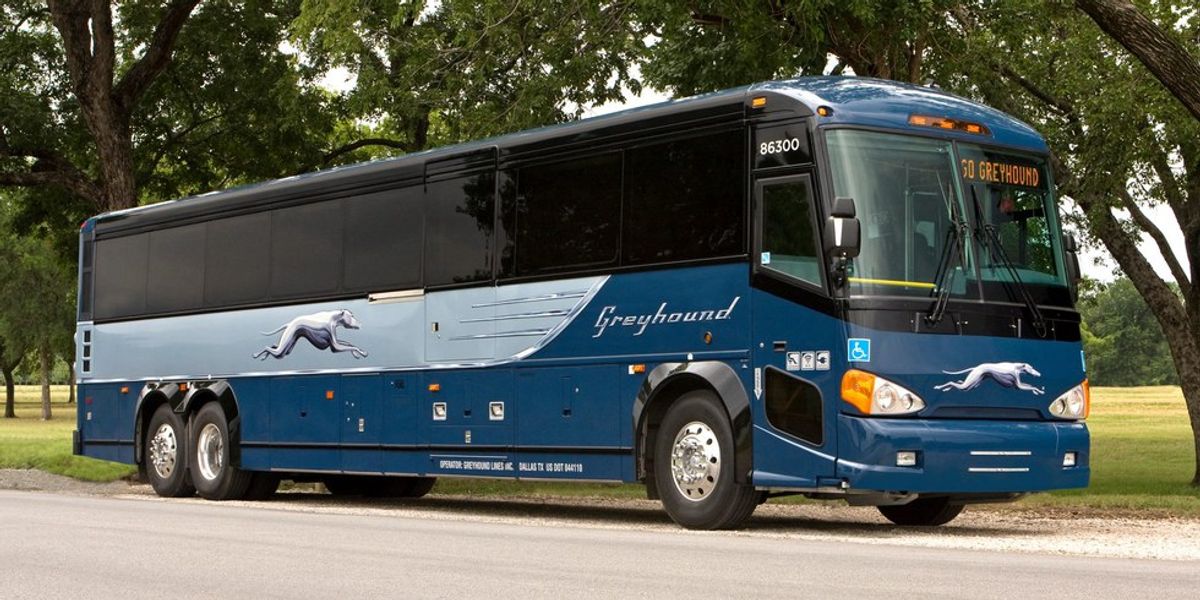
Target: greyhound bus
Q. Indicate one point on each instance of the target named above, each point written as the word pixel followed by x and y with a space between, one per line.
pixel 845 288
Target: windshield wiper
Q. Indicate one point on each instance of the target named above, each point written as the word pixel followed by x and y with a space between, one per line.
pixel 991 240
pixel 952 255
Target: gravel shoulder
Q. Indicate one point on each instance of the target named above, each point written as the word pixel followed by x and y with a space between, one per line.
pixel 1046 531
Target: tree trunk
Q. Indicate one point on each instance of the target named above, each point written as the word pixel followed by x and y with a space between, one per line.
pixel 1171 312
pixel 1190 384
pixel 47 361
pixel 70 381
pixel 1164 56
pixel 10 392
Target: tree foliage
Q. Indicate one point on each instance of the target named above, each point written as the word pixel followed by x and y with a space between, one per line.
pixel 432 73
pixel 37 300
pixel 1123 342
pixel 108 106
pixel 705 46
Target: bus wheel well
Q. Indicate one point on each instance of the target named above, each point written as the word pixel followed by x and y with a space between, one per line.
pixel 184 403
pixel 654 411
pixel 201 397
pixel 221 393
pixel 145 410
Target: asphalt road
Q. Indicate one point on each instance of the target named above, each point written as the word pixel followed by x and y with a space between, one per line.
pixel 99 547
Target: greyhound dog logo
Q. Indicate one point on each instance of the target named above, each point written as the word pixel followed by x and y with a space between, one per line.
pixel 1007 374
pixel 320 329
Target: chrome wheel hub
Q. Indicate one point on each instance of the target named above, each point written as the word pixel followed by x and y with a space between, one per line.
pixel 164 450
pixel 210 452
pixel 696 461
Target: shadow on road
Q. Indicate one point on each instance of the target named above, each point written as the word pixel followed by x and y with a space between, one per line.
pixel 771 519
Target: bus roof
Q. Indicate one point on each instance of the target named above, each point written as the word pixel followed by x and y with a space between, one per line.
pixel 851 101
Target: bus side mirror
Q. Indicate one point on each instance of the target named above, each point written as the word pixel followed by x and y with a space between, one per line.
pixel 842 238
pixel 842 230
pixel 1074 274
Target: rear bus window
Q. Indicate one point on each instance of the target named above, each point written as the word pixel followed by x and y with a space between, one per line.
pixel 121 276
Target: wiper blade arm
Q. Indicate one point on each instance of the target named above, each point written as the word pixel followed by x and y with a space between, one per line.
pixel 991 239
pixel 952 253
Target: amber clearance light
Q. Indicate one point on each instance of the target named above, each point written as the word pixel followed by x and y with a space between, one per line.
pixel 949 124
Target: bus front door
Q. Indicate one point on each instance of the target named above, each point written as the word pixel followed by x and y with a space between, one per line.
pixel 796 339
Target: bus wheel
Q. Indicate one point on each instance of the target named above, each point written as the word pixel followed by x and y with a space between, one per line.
pixel 165 458
pixel 693 466
pixel 923 512
pixel 213 473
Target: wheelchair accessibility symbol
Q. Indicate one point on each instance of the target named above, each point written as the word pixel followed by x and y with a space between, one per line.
pixel 858 350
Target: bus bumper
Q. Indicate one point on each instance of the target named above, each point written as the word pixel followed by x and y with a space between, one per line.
pixel 961 456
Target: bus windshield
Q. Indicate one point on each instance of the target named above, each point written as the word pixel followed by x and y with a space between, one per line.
pixel 909 191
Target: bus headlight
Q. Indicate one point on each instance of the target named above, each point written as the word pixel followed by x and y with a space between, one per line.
pixel 874 395
pixel 1076 403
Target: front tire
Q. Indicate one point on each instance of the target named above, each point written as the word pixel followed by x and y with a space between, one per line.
pixel 165 455
pixel 694 466
pixel 923 512
pixel 213 474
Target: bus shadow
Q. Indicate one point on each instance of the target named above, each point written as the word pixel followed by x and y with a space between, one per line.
pixel 801 523
pixel 550 508
pixel 777 519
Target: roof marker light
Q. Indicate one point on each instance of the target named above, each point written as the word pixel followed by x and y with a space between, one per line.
pixel 758 102
pixel 948 123
pixel 824 111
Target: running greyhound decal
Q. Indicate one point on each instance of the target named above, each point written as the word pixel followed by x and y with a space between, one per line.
pixel 1007 374
pixel 320 329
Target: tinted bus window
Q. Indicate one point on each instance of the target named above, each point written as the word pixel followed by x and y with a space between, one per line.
pixel 121 276
pixel 383 240
pixel 86 263
pixel 568 215
pixel 458 229
pixel 306 249
pixel 683 199
pixel 237 260
pixel 789 239
pixel 176 269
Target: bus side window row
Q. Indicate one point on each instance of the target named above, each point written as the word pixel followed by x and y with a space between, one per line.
pixel 664 202
pixel 670 201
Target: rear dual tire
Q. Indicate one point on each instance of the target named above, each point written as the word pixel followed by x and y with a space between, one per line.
pixel 213 473
pixel 165 455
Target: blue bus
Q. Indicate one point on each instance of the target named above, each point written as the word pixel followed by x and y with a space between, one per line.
pixel 845 288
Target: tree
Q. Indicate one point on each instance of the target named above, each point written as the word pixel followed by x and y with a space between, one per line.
pixel 1123 341
pixel 10 360
pixel 36 303
pixel 724 43
pixel 428 74
pixel 1160 51
pixel 105 90
pixel 109 106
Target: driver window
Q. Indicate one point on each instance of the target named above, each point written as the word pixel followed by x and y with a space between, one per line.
pixel 789 244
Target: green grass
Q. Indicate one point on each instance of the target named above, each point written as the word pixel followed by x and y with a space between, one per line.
pixel 1142 456
pixel 28 442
